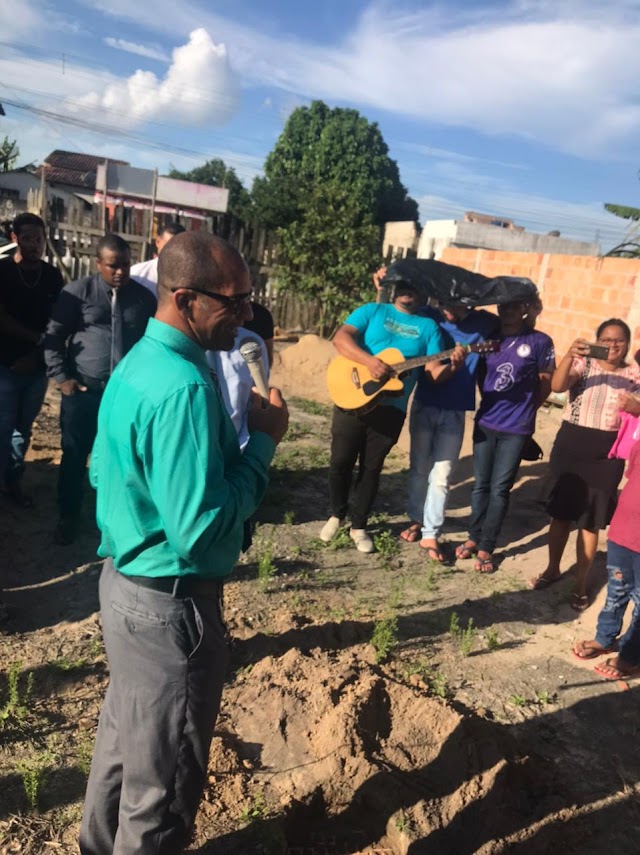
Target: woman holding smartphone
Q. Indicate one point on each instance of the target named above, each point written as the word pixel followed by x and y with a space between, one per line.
pixel 585 485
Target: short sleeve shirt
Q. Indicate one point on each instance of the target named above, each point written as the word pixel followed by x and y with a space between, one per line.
pixel 458 393
pixel 510 389
pixel 381 325
pixel 593 397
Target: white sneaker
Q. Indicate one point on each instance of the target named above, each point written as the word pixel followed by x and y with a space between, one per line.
pixel 330 529
pixel 361 539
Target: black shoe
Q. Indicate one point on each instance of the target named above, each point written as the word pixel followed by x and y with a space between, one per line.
pixel 66 531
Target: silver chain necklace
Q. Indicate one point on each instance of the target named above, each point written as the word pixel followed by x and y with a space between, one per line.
pixel 28 284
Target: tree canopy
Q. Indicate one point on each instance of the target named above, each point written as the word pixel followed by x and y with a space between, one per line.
pixel 216 173
pixel 320 145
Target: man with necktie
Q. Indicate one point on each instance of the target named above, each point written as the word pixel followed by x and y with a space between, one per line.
pixel 95 322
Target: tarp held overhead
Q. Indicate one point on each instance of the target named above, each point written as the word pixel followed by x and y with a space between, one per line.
pixel 451 285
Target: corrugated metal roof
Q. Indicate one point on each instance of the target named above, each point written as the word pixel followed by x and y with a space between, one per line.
pixel 73 168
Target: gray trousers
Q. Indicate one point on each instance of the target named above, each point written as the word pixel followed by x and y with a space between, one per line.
pixel 167 659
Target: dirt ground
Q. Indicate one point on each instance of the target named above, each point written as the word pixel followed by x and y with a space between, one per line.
pixel 375 703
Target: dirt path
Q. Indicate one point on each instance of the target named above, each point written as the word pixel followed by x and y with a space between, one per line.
pixel 468 727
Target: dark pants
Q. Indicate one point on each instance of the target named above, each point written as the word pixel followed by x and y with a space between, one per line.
pixel 167 658
pixel 21 397
pixel 367 439
pixel 496 459
pixel 623 566
pixel 78 426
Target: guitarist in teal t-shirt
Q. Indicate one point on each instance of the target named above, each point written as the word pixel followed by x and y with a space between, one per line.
pixel 366 438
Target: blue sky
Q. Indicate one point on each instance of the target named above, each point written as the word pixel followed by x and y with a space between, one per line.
pixel 528 109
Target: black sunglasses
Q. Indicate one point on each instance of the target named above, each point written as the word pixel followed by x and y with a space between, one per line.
pixel 236 303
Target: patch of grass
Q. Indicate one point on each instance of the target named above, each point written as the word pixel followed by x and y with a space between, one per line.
pixel 386 546
pixel 289 517
pixel 84 752
pixel 297 430
pixel 492 638
pixel 65 663
pixel 16 706
pixel 402 823
pixel 467 638
pixel 254 809
pixel 438 685
pixel 385 637
pixel 429 579
pixel 33 772
pixel 543 698
pixel 379 519
pixel 340 541
pixel 313 408
pixel 454 625
pixel 395 596
pixel 264 550
pixel 518 700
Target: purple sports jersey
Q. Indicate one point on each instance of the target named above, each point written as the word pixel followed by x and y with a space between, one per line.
pixel 510 389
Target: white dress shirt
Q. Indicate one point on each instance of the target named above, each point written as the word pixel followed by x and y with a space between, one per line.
pixel 146 272
pixel 235 381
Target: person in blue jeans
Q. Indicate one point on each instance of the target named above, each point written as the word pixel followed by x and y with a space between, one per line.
pixel 517 381
pixel 28 289
pixel 437 421
pixel 623 566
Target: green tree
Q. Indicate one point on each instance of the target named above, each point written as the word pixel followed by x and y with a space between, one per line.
pixel 328 253
pixel 320 145
pixel 623 211
pixel 9 154
pixel 630 246
pixel 216 173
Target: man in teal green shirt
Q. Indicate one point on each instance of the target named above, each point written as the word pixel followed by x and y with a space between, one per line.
pixel 174 492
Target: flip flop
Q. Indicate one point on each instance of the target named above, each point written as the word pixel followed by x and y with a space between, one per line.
pixel 466 550
pixel 591 652
pixel 614 673
pixel 433 553
pixel 412 533
pixel 485 565
pixel 579 602
pixel 539 583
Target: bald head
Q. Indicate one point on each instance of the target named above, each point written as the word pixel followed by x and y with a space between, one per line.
pixel 197 260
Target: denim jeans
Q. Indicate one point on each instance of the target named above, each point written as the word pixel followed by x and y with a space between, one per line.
pixel 623 566
pixel 21 398
pixel 78 427
pixel 496 459
pixel 436 439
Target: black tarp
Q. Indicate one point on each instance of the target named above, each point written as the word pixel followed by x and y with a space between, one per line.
pixel 451 285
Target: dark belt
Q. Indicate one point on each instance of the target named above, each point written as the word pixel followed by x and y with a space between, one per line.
pixel 180 586
pixel 91 383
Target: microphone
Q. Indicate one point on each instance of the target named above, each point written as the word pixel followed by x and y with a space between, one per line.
pixel 251 352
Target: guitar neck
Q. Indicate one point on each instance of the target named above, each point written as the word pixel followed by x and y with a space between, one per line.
pixel 417 361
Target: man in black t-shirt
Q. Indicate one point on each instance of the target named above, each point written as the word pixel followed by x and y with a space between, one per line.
pixel 28 289
pixel 262 325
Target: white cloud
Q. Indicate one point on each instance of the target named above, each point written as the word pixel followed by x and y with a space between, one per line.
pixel 562 73
pixel 149 51
pixel 199 88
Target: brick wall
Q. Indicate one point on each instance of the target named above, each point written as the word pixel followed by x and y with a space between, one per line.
pixel 578 291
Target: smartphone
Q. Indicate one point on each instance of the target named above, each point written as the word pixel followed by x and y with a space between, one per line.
pixel 598 351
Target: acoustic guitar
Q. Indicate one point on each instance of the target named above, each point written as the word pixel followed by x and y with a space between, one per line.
pixel 352 387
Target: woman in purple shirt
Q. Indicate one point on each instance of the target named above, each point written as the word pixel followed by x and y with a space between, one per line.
pixel 517 381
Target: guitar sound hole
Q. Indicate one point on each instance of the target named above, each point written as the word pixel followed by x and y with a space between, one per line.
pixel 355 378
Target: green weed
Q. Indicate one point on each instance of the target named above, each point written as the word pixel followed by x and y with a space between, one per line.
pixel 313 408
pixel 518 700
pixel 297 430
pixel 438 685
pixel 385 637
pixel 264 558
pixel 467 638
pixel 289 517
pixel 16 706
pixel 255 809
pixel 386 546
pixel 492 638
pixel 454 625
pixel 33 772
pixel 340 541
pixel 543 698
pixel 84 752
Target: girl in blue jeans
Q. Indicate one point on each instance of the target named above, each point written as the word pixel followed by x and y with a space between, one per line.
pixel 623 565
pixel 518 379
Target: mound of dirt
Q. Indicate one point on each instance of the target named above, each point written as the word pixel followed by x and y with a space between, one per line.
pixel 338 745
pixel 301 369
